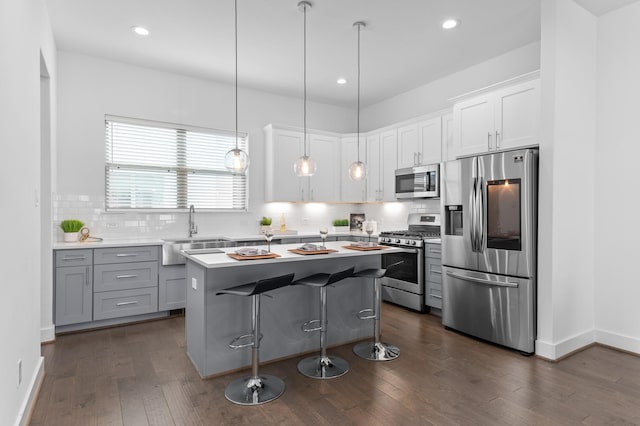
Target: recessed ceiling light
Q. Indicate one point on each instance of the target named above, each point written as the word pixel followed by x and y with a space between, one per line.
pixel 342 81
pixel 450 23
pixel 140 31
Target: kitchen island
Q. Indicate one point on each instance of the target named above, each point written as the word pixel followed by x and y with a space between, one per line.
pixel 213 321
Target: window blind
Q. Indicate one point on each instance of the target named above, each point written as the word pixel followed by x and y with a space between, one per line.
pixel 152 165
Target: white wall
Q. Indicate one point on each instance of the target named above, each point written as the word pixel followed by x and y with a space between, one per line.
pixel 90 87
pixel 617 291
pixel 24 32
pixel 435 96
pixel 567 178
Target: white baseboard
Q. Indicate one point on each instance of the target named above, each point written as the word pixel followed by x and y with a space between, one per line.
pixel 47 334
pixel 554 351
pixel 24 415
pixel 618 341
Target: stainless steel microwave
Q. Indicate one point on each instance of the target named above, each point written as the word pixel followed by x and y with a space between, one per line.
pixel 418 182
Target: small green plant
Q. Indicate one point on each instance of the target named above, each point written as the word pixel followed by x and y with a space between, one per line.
pixel 265 221
pixel 71 225
pixel 341 222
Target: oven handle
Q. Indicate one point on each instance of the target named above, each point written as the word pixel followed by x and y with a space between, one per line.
pixel 404 249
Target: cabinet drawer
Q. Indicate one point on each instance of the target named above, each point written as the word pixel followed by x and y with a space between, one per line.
pixel 125 254
pixel 433 250
pixel 83 257
pixel 113 304
pixel 125 276
pixel 434 270
pixel 433 296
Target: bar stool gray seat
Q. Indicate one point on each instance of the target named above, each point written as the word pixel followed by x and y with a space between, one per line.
pixel 323 366
pixel 256 389
pixel 376 350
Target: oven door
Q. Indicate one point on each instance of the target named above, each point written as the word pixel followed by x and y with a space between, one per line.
pixel 410 275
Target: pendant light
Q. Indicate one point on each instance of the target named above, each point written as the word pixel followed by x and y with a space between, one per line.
pixel 236 160
pixel 305 166
pixel 357 170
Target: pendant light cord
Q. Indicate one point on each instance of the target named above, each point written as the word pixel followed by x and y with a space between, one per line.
pixel 304 78
pixel 236 64
pixel 358 121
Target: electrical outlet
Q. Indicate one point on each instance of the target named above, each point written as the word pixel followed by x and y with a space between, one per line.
pixel 19 372
pixel 194 283
pixel 305 220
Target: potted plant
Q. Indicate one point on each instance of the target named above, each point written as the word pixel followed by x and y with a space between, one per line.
pixel 265 223
pixel 71 227
pixel 341 225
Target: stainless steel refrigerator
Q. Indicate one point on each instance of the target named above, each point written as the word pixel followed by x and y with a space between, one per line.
pixel 489 247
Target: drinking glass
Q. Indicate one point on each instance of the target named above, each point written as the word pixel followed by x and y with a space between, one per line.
pixel 323 235
pixel 268 235
pixel 369 230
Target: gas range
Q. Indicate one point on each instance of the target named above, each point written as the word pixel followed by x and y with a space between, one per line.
pixel 422 227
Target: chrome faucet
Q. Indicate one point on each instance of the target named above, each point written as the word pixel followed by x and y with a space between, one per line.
pixel 193 229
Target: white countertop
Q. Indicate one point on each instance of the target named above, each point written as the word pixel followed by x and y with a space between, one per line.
pixel 221 260
pixel 156 241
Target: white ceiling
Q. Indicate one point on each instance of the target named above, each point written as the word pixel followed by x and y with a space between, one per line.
pixel 600 7
pixel 403 45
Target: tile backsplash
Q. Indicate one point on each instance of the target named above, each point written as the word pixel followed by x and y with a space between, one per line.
pixel 307 217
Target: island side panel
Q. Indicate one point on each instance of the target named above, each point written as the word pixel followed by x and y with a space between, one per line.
pixel 195 330
pixel 282 315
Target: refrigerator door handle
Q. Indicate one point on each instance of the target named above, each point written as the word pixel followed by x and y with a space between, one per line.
pixel 472 227
pixel 482 280
pixel 481 211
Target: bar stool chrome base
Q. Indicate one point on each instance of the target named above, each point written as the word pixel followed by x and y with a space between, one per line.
pixel 252 391
pixel 328 367
pixel 376 351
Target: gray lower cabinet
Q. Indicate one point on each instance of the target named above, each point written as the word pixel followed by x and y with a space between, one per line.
pixel 433 278
pixel 125 281
pixel 172 287
pixel 73 286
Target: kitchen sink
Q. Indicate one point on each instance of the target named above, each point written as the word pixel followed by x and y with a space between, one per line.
pixel 171 248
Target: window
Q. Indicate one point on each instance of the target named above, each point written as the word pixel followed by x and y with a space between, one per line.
pixel 152 165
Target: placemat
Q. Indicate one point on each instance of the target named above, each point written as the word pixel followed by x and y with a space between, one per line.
pixel 366 248
pixel 260 256
pixel 305 252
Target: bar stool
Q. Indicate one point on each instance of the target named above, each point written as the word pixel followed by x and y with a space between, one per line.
pixel 255 389
pixel 376 350
pixel 323 366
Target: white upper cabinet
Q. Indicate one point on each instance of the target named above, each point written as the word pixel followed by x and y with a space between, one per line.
pixel 502 119
pixel 352 190
pixel 420 143
pixel 283 146
pixel 382 162
pixel 324 185
pixel 448 151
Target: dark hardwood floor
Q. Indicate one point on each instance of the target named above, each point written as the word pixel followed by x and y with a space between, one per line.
pixel 140 374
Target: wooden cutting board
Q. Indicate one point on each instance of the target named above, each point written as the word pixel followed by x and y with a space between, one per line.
pixel 256 257
pixel 305 252
pixel 366 248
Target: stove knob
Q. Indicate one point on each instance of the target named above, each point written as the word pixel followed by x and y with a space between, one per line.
pixel 413 243
pixel 398 241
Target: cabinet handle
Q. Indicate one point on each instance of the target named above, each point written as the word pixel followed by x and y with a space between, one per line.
pixel 133 302
pixel 74 258
pixel 302 194
pixel 120 277
pixel 86 277
pixel 433 271
pixel 419 158
pixel 126 255
pixel 489 140
pixel 497 139
pixel 435 296
pixel 311 195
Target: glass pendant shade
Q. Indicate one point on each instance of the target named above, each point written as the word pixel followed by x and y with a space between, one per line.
pixel 304 166
pixel 236 161
pixel 357 170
